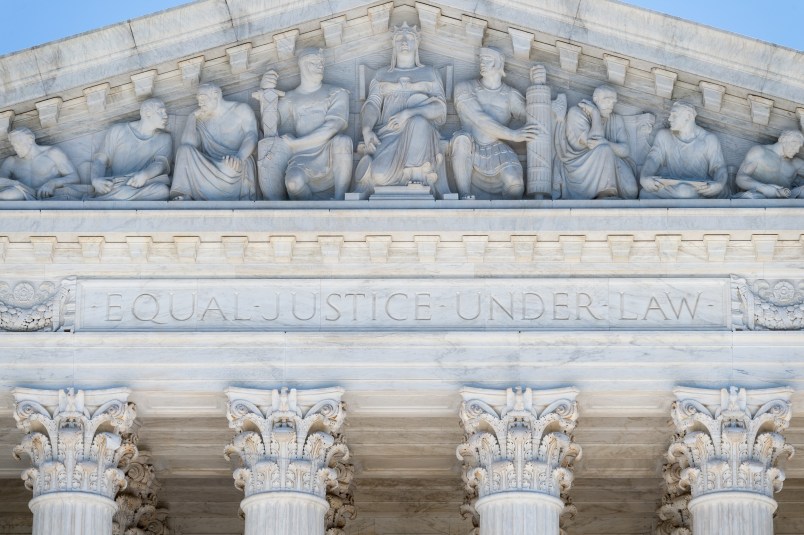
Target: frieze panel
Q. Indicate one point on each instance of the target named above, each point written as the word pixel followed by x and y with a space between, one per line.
pixel 402 304
pixel 514 139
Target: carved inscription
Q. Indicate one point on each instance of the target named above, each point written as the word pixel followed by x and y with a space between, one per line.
pixel 403 304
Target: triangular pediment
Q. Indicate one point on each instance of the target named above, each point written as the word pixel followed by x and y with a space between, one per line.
pixel 70 90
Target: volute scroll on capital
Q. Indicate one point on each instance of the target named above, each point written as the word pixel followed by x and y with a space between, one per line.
pixel 287 440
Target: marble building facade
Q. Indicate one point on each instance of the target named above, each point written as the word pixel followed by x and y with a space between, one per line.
pixel 319 267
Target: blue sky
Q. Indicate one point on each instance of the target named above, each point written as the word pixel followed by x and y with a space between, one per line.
pixel 776 21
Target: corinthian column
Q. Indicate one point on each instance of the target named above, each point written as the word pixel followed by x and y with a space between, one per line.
pixel 75 445
pixel 517 457
pixel 288 442
pixel 727 446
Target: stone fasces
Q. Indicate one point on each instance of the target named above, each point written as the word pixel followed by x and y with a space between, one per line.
pixel 517 457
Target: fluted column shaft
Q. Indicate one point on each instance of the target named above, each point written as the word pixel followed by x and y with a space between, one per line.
pixel 72 513
pixel 732 513
pixel 519 513
pixel 284 513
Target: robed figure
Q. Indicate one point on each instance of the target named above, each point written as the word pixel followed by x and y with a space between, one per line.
pixel 405 107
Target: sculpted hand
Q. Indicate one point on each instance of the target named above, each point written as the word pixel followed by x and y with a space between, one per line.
pixel 528 132
pixel 593 142
pixel 371 140
pixel 269 80
pixel 538 74
pixel 138 180
pixel 708 189
pixel 290 141
pixel 46 190
pixel 651 184
pixel 774 192
pixel 399 120
pixel 589 109
pixel 796 193
pixel 233 163
pixel 102 187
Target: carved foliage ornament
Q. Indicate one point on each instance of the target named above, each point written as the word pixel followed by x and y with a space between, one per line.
pixel 286 440
pixel 30 307
pixel 517 447
pixel 767 305
pixel 137 506
pixel 732 443
pixel 74 439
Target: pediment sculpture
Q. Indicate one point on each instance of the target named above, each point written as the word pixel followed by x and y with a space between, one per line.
pixel 485 140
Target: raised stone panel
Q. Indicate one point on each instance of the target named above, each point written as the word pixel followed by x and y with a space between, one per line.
pixel 238 57
pixel 521 43
pixel 144 83
pixel 568 56
pixel 429 17
pixel 664 81
pixel 333 31
pixel 96 98
pixel 616 68
pixel 760 109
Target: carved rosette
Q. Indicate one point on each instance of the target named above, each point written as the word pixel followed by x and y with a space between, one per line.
pixel 730 440
pixel 767 305
pixel 29 307
pixel 287 440
pixel 137 506
pixel 517 441
pixel 74 439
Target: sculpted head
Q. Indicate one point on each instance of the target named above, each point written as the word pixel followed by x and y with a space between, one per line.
pixel 605 97
pixel 311 64
pixel 154 114
pixel 682 114
pixel 791 142
pixel 22 140
pixel 209 97
pixel 406 44
pixel 492 61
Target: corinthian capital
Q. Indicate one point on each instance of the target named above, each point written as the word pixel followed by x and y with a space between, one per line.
pixel 286 439
pixel 730 440
pixel 518 440
pixel 74 439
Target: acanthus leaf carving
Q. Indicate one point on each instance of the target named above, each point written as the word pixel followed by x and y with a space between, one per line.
pixel 74 439
pixel 517 440
pixel 288 440
pixel 730 440
pixel 138 511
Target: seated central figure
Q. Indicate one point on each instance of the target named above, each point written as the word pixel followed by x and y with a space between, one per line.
pixel 400 120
